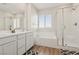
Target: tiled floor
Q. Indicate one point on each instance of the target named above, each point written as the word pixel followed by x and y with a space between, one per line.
pixel 41 50
pixel 67 52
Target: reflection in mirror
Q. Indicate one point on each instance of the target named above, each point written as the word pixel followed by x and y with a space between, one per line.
pixel 8 20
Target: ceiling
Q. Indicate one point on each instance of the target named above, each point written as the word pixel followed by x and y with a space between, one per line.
pixel 12 7
pixel 20 7
pixel 41 6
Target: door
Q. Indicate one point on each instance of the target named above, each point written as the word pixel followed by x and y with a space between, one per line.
pixel 71 27
pixel 10 48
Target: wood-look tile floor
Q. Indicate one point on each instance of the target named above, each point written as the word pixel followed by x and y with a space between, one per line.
pixel 46 50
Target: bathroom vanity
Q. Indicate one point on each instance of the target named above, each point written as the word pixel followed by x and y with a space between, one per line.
pixel 15 43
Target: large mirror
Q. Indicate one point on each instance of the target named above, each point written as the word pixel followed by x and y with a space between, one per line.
pixel 8 20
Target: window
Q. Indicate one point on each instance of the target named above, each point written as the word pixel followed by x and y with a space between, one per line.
pixel 41 21
pixel 48 21
pixel 16 23
pixel 45 21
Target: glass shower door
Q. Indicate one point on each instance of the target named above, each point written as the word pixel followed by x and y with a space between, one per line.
pixel 71 27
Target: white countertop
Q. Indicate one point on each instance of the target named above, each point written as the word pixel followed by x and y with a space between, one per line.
pixel 8 33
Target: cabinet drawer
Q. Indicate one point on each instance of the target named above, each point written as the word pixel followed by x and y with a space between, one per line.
pixel 21 42
pixel 7 39
pixel 21 50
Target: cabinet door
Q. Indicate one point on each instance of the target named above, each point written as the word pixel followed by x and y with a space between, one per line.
pixel 21 44
pixel 21 50
pixel 1 50
pixel 10 48
pixel 29 41
pixel 21 40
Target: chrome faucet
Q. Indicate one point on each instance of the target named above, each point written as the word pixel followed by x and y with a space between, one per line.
pixel 11 29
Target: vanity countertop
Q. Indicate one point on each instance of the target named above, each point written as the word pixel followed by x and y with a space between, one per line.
pixel 8 33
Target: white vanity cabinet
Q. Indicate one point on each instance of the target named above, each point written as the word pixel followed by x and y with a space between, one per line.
pixel 16 43
pixel 8 45
pixel 29 40
pixel 21 44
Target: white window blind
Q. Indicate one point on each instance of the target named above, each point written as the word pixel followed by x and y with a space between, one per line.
pixel 45 21
pixel 41 21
